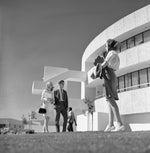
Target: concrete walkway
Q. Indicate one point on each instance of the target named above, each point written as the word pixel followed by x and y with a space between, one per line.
pixel 78 142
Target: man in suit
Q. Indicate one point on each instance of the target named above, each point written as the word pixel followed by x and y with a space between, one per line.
pixel 61 106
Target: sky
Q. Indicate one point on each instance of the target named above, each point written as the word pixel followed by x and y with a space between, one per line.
pixel 38 33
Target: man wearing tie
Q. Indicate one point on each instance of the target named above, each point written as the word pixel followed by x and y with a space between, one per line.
pixel 61 106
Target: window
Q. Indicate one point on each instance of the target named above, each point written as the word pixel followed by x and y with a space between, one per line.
pixel 149 75
pixel 147 36
pixel 130 42
pixel 123 46
pixel 119 49
pixel 135 40
pixel 143 76
pixel 121 83
pixel 139 39
pixel 128 81
pixel 135 79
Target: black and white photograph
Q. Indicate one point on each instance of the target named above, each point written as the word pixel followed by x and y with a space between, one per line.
pixel 75 76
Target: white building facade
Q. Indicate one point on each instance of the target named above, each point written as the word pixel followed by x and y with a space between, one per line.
pixel 133 31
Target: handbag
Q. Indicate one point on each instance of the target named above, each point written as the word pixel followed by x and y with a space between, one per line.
pixel 42 110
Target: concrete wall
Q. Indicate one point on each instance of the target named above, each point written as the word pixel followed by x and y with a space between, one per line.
pixel 82 123
pixel 135 56
pixel 134 122
pixel 134 107
pixel 86 123
pixel 130 102
pixel 137 122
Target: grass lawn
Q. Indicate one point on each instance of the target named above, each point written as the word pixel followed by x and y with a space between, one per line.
pixel 77 142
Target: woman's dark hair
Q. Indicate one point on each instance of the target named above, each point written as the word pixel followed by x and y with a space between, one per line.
pixel 112 44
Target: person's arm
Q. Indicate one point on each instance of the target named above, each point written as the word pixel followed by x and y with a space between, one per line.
pixel 55 97
pixel 66 100
pixel 43 96
pixel 104 64
pixel 108 58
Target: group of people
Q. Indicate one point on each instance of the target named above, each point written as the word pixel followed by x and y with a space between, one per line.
pixel 105 67
pixel 57 100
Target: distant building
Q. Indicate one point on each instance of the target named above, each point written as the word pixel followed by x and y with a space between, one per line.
pixel 133 31
pixel 11 124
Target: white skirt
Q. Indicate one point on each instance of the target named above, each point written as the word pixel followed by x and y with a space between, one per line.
pixel 49 110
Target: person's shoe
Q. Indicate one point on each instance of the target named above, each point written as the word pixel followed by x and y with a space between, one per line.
pixel 119 128
pixel 109 128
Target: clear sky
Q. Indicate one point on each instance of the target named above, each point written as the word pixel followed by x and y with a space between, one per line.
pixel 38 33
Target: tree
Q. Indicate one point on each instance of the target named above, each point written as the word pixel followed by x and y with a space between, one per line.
pixel 24 120
pixel 33 115
pixel 90 105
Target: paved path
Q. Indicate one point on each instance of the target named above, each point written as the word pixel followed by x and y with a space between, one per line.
pixel 78 142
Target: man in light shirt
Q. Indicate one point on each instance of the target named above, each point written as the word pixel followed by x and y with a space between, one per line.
pixel 61 106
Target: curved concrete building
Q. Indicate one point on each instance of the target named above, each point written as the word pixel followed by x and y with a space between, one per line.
pixel 133 31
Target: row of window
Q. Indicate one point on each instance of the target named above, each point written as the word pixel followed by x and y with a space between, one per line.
pixel 137 79
pixel 130 81
pixel 135 40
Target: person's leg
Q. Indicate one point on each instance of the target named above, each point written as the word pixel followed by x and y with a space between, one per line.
pixel 110 125
pixel 110 115
pixel 68 127
pixel 47 121
pixel 44 126
pixel 115 110
pixel 120 126
pixel 57 118
pixel 64 114
pixel 71 127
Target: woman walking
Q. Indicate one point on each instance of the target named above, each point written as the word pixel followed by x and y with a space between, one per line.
pixel 48 99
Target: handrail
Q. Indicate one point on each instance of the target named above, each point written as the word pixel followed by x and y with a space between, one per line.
pixel 133 87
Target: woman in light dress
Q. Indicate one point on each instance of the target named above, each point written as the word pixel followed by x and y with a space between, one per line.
pixel 48 101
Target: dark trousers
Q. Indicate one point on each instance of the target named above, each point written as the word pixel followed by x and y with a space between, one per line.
pixel 61 110
pixel 70 127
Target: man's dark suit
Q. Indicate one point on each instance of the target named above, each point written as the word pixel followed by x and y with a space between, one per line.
pixel 61 108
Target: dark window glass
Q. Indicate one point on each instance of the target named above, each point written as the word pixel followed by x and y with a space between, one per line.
pixel 135 78
pixel 147 36
pixel 118 49
pixel 143 76
pixel 123 46
pixel 138 39
pixel 130 42
pixel 121 83
pixel 128 81
pixel 149 75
